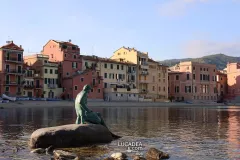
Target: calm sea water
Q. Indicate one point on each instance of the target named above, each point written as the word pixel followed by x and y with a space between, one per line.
pixel 185 133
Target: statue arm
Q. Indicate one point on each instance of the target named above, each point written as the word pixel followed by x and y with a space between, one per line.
pixel 83 103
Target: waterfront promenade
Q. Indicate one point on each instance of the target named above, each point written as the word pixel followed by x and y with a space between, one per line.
pixel 108 104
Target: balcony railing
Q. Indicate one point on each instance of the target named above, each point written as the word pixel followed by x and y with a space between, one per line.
pixel 52 86
pixel 12 59
pixel 131 72
pixel 143 63
pixel 28 75
pixel 37 75
pixel 144 72
pixel 144 91
pixel 38 87
pixel 13 82
pixel 14 71
pixel 28 86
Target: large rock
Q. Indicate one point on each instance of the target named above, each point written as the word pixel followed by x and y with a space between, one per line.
pixel 73 135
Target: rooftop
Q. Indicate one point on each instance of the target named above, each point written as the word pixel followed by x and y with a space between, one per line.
pixel 12 46
pixel 96 58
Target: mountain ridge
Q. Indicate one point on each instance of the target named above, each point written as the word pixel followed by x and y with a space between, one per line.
pixel 220 60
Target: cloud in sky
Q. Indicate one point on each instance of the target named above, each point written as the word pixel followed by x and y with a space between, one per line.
pixel 178 7
pixel 198 48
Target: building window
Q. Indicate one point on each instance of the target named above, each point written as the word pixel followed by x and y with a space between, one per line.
pixel 200 69
pixel 187 76
pixel 105 85
pixel 207 69
pixel 91 90
pixel 82 79
pixel 122 67
pixel 74 56
pixel 105 75
pixel 193 68
pixel 203 69
pixel 74 64
pixel 159 88
pixel 200 77
pixel 75 87
pixel 99 90
pixel 194 76
pixel 67 74
pixel 177 77
pixel 121 95
pixel 65 55
pixel 86 64
pixel 195 89
pixel 105 65
pixel 99 81
pixel 164 89
pixel 56 71
pixel 46 70
pixel 221 86
pixel 6 89
pixel 214 70
pixel 117 66
pixel 111 66
pixel 153 88
pixel 51 71
pixel 45 80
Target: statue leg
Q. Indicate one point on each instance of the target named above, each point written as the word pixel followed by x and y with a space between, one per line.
pixel 102 121
pixel 82 120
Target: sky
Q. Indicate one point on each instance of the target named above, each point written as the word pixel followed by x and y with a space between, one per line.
pixel 165 29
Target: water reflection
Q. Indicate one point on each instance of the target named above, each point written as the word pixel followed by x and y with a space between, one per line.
pixel 186 133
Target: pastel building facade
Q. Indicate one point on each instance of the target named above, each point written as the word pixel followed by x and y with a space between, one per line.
pixel 119 78
pixel 72 77
pixel 11 69
pixel 45 77
pixel 193 81
pixel 233 80
pixel 157 81
pixel 28 81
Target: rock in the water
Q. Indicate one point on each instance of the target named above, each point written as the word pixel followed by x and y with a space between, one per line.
pixel 155 154
pixel 38 150
pixel 119 156
pixel 138 158
pixel 63 155
pixel 73 135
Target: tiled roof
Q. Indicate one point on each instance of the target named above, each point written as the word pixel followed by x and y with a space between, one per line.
pixel 95 58
pixel 66 43
pixel 12 46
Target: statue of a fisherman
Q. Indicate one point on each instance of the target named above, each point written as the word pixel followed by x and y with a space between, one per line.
pixel 84 114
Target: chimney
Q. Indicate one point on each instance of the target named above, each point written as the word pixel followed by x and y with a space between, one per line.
pixel 70 40
pixel 11 41
pixel 20 46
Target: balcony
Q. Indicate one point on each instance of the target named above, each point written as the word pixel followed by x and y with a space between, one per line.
pixel 38 87
pixel 14 71
pixel 14 60
pixel 52 86
pixel 144 65
pixel 144 72
pixel 12 83
pixel 131 72
pixel 100 77
pixel 28 86
pixel 144 91
pixel 122 90
pixel 29 75
pixel 38 75
pixel 143 81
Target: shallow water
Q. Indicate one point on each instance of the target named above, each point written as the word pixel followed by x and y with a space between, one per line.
pixel 185 133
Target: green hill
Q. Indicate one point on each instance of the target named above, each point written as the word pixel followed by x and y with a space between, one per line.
pixel 220 60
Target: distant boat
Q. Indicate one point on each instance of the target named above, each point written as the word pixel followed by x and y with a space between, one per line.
pixel 4 96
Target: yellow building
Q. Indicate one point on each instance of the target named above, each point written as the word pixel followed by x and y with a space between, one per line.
pixel 46 76
pixel 119 78
pixel 28 81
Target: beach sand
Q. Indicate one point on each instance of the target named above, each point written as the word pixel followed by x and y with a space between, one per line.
pixel 107 104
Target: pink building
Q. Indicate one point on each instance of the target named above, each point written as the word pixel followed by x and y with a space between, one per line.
pixel 72 78
pixel 193 81
pixel 233 80
pixel 11 69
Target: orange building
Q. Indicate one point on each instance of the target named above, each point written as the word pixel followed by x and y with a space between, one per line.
pixel 11 69
pixel 221 85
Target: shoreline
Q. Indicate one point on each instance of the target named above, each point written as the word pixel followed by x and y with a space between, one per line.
pixel 31 104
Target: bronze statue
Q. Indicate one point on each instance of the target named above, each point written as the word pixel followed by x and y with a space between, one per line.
pixel 84 114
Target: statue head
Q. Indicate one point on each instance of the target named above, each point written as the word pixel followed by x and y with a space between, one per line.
pixel 87 88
